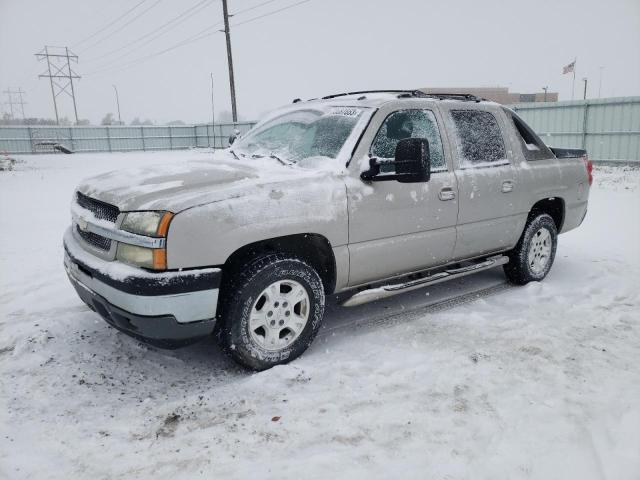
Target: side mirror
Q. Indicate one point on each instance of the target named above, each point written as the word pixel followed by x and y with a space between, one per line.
pixel 412 163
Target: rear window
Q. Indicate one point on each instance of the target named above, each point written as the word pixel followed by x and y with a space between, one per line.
pixel 478 138
pixel 532 147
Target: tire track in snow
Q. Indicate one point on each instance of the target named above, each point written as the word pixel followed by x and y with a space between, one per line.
pixel 392 319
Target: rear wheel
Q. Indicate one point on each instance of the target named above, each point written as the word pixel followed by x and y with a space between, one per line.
pixel 271 311
pixel 533 256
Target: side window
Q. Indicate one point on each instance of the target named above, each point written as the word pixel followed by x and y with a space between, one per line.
pixel 409 124
pixel 532 147
pixel 478 138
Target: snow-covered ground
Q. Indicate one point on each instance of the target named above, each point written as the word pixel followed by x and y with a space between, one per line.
pixel 472 379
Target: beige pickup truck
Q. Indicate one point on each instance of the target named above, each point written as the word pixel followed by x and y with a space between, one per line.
pixel 367 193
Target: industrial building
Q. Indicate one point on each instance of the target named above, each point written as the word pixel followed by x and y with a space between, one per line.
pixel 499 94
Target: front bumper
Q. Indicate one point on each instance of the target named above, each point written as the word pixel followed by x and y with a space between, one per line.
pixel 166 309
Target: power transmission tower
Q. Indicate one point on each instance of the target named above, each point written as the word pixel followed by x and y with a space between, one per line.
pixel 60 74
pixel 11 102
pixel 232 82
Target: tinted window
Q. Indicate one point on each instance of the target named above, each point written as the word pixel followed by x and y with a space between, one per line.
pixel 478 137
pixel 409 124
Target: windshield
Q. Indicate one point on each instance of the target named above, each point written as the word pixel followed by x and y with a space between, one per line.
pixel 300 134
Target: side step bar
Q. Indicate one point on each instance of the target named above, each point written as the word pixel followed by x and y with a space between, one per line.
pixel 385 291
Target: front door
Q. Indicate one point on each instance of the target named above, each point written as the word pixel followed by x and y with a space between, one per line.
pixel 487 182
pixel 396 228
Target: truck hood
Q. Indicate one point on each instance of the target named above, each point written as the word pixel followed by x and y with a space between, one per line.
pixel 176 187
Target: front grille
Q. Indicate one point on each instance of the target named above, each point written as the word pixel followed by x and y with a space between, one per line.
pixel 101 210
pixel 94 239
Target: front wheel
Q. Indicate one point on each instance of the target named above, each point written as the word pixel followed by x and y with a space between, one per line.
pixel 533 256
pixel 271 312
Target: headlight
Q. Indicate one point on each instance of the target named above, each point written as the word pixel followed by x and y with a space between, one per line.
pixel 139 256
pixel 152 224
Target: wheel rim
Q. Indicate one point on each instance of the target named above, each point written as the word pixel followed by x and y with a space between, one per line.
pixel 539 251
pixel 279 315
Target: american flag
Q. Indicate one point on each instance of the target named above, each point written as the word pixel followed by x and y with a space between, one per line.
pixel 569 68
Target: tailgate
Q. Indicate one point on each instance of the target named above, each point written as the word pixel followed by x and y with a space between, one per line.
pixel 568 152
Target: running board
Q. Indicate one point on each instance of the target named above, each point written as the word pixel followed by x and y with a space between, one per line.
pixel 385 291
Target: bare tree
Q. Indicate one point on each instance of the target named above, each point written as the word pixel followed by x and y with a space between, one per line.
pixel 107 119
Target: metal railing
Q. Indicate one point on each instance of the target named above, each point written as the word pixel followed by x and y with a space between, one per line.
pixel 45 139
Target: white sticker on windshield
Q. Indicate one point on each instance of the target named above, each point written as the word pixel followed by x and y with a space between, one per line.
pixel 345 111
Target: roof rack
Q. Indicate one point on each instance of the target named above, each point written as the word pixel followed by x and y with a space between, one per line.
pixel 402 93
pixel 467 97
pixel 455 96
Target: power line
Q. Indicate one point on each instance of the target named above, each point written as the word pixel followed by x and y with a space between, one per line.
pixel 109 24
pixel 194 38
pixel 99 41
pixel 268 14
pixel 240 12
pixel 188 13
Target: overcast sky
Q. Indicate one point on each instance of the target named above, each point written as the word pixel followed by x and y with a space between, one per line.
pixel 315 48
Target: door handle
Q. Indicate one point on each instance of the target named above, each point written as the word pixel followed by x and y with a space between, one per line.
pixel 507 186
pixel 446 193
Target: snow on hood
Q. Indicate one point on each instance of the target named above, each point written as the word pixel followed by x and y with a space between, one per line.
pixel 176 187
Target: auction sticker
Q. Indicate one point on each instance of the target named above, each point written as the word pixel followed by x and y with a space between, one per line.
pixel 345 111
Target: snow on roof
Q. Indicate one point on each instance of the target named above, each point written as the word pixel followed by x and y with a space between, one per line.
pixel 372 99
pixel 376 99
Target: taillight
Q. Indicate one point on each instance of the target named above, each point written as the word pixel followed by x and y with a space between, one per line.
pixel 589 166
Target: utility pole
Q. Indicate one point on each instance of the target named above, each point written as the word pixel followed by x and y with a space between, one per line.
pixel 545 92
pixel 227 34
pixel 213 115
pixel 573 82
pixel 600 82
pixel 60 74
pixel 11 102
pixel 118 104
pixel 584 97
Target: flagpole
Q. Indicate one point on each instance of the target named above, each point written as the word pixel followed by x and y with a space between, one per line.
pixel 573 84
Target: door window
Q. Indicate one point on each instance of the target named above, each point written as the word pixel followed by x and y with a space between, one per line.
pixel 478 138
pixel 408 124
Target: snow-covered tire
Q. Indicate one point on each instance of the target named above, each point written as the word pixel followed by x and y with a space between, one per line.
pixel 533 256
pixel 284 293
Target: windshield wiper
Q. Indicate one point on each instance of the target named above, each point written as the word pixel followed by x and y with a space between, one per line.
pixel 271 155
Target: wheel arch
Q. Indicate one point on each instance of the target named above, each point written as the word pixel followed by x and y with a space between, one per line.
pixel 553 206
pixel 310 247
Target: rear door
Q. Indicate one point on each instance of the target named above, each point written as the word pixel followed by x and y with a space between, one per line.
pixel 394 227
pixel 487 180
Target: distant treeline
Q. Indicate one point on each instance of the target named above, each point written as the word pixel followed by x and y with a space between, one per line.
pixel 7 120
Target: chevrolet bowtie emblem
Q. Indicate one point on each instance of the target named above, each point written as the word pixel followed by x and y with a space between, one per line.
pixel 83 224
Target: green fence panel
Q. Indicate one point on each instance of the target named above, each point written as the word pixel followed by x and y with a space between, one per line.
pixel 609 128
